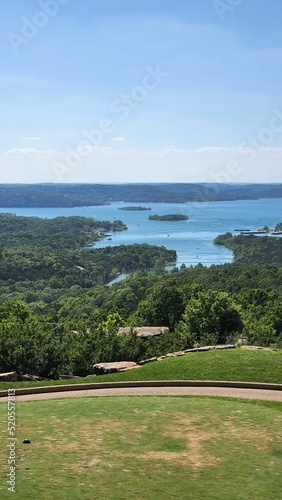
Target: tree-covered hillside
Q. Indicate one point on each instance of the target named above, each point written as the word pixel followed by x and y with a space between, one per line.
pixel 250 248
pixel 71 195
pixel 61 232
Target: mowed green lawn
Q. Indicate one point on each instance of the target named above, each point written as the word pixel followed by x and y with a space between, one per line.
pixel 145 448
pixel 234 364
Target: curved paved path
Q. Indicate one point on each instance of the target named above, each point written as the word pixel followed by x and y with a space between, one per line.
pixel 265 394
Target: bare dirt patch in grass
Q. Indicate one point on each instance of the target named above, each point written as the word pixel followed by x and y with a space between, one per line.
pixel 97 451
pixel 244 431
pixel 195 455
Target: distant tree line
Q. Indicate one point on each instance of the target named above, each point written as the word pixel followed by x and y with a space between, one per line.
pixel 75 195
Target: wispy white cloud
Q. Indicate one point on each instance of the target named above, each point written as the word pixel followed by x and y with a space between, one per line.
pixel 88 150
pixel 269 149
pixel 118 139
pixel 214 149
pixel 25 151
pixel 30 139
pixel 169 151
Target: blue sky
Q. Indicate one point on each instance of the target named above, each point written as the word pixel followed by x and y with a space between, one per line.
pixel 133 91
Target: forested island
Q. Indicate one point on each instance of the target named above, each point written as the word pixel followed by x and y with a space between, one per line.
pixel 58 315
pixel 76 195
pixel 135 209
pixel 168 217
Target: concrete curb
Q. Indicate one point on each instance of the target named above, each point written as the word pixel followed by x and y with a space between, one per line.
pixel 151 383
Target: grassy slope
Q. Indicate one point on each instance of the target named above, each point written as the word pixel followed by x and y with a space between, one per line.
pixel 149 447
pixel 238 365
pixel 250 366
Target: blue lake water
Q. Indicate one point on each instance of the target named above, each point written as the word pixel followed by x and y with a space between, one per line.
pixel 192 239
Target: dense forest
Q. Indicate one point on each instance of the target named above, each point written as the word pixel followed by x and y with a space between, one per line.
pixel 61 232
pixel 74 195
pixel 41 259
pixel 249 248
pixel 59 316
